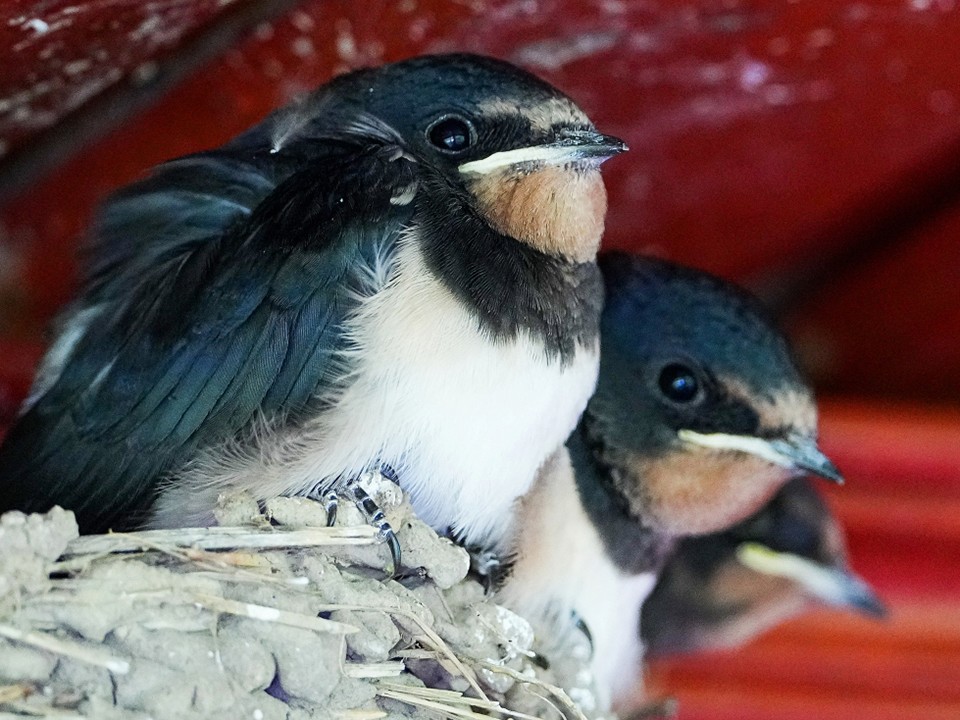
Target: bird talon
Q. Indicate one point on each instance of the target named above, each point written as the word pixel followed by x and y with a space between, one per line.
pixel 387 535
pixel 331 501
pixel 376 517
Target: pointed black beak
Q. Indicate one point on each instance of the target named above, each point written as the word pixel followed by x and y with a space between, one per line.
pixel 567 146
pixel 803 454
pixel 589 144
pixel 832 585
pixel 856 594
pixel 799 452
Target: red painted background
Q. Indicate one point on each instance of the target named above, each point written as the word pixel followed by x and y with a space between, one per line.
pixel 808 149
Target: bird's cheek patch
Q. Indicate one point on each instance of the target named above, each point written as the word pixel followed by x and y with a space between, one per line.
pixel 698 491
pixel 559 210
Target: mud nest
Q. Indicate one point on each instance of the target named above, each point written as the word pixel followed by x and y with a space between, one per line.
pixel 269 615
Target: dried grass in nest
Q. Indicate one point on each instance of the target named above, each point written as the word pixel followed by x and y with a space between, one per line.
pixel 233 560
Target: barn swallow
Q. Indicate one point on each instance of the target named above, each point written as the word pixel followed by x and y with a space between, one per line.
pixel 398 272
pixel 700 416
pixel 721 590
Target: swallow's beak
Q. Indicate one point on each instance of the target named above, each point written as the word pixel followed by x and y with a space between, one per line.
pixel 832 585
pixel 803 454
pixel 795 451
pixel 579 144
pixel 567 147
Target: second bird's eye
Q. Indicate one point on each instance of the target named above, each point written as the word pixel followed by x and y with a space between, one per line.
pixel 451 134
pixel 679 383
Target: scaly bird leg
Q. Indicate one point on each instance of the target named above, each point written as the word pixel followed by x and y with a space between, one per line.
pixel 330 501
pixel 367 507
pixel 375 516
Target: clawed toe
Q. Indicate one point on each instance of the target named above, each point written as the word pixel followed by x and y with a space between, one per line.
pixel 375 516
pixel 331 501
pixel 330 498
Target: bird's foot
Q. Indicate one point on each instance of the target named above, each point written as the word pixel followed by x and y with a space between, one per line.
pixel 331 501
pixel 490 567
pixel 376 517
pixel 368 507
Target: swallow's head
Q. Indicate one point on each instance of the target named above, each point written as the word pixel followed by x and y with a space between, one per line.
pixel 723 589
pixel 522 153
pixel 700 406
pixel 797 544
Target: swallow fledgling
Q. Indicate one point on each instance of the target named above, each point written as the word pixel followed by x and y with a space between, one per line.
pixel 397 274
pixel 700 416
pixel 719 591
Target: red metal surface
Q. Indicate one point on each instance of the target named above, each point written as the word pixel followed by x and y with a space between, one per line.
pixel 809 148
pixel 769 139
pixel 70 70
pixel 57 56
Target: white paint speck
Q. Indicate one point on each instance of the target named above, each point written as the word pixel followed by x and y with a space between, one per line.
pixel 258 714
pixel 418 28
pixel 302 47
pixel 753 74
pixel 145 72
pixel 302 22
pixel 37 25
pixel 146 28
pixel 346 46
pixel 77 66
pixel 554 53
pixel 614 7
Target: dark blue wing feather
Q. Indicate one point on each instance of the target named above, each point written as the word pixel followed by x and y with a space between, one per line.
pixel 220 294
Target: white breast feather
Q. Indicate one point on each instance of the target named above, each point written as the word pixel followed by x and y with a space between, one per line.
pixel 464 421
pixel 562 567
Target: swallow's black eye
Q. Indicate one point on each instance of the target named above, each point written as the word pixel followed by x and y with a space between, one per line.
pixel 451 134
pixel 679 383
